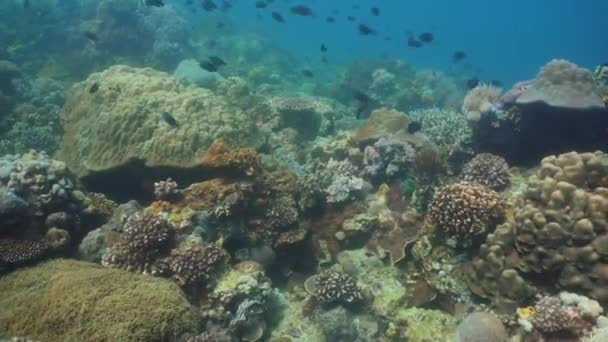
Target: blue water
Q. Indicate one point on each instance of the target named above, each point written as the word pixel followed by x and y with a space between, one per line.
pixel 504 40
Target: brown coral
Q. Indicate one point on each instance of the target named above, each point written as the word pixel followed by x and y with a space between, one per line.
pixel 488 170
pixel 464 211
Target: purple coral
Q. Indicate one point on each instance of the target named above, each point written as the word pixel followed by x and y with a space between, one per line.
pixel 388 158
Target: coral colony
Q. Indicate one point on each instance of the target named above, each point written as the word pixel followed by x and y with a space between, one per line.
pixel 165 181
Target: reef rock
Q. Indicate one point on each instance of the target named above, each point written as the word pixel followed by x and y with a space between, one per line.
pixel 86 302
pixel 139 120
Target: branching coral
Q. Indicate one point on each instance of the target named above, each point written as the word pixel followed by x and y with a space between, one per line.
pixel 331 286
pixel 444 127
pixel 194 263
pixel 464 211
pixel 488 170
pixel 144 237
pixel 388 158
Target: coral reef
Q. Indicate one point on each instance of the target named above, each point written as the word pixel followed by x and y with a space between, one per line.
pixel 143 239
pixel 386 159
pixel 444 127
pixel 39 196
pixel 552 103
pixel 113 304
pixel 465 211
pixel 558 232
pixel 165 190
pixel 120 127
pixel 194 263
pixel 480 100
pixel 331 286
pixel 563 84
pixel 481 327
pixel 488 170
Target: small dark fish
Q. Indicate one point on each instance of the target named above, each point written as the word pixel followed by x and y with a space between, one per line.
pixel 323 48
pixel 92 36
pixel 413 127
pixel 215 60
pixel 458 56
pixel 301 10
pixel 154 3
pixel 496 83
pixel 330 20
pixel 26 4
pixel 351 18
pixel 208 5
pixel 260 4
pixel 472 83
pixel 426 37
pixel 169 119
pixel 278 17
pixel 208 66
pixel 412 42
pixel 365 30
pixel 307 73
pixel 94 88
pixel 375 11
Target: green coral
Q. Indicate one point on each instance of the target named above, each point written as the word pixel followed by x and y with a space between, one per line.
pixel 67 300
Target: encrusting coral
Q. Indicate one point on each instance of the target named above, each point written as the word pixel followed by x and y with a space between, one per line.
pixel 125 120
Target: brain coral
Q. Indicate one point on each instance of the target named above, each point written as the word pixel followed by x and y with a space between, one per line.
pixel 124 121
pixel 559 232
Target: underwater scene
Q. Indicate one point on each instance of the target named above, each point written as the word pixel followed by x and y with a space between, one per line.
pixel 303 171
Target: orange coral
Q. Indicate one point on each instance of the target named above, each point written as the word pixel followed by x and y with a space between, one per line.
pixel 241 160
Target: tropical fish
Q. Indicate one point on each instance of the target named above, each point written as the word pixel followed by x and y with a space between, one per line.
pixel 169 119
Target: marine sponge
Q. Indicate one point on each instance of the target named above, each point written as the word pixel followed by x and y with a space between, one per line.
pixel 488 170
pixel 144 236
pixel 331 286
pixel 464 210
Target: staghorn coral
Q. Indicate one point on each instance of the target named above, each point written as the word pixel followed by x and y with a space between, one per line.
pixel 488 170
pixel 127 108
pixel 463 211
pixel 388 158
pixel 331 286
pixel 445 127
pixel 144 237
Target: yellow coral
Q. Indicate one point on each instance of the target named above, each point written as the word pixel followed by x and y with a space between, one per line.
pixel 526 312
